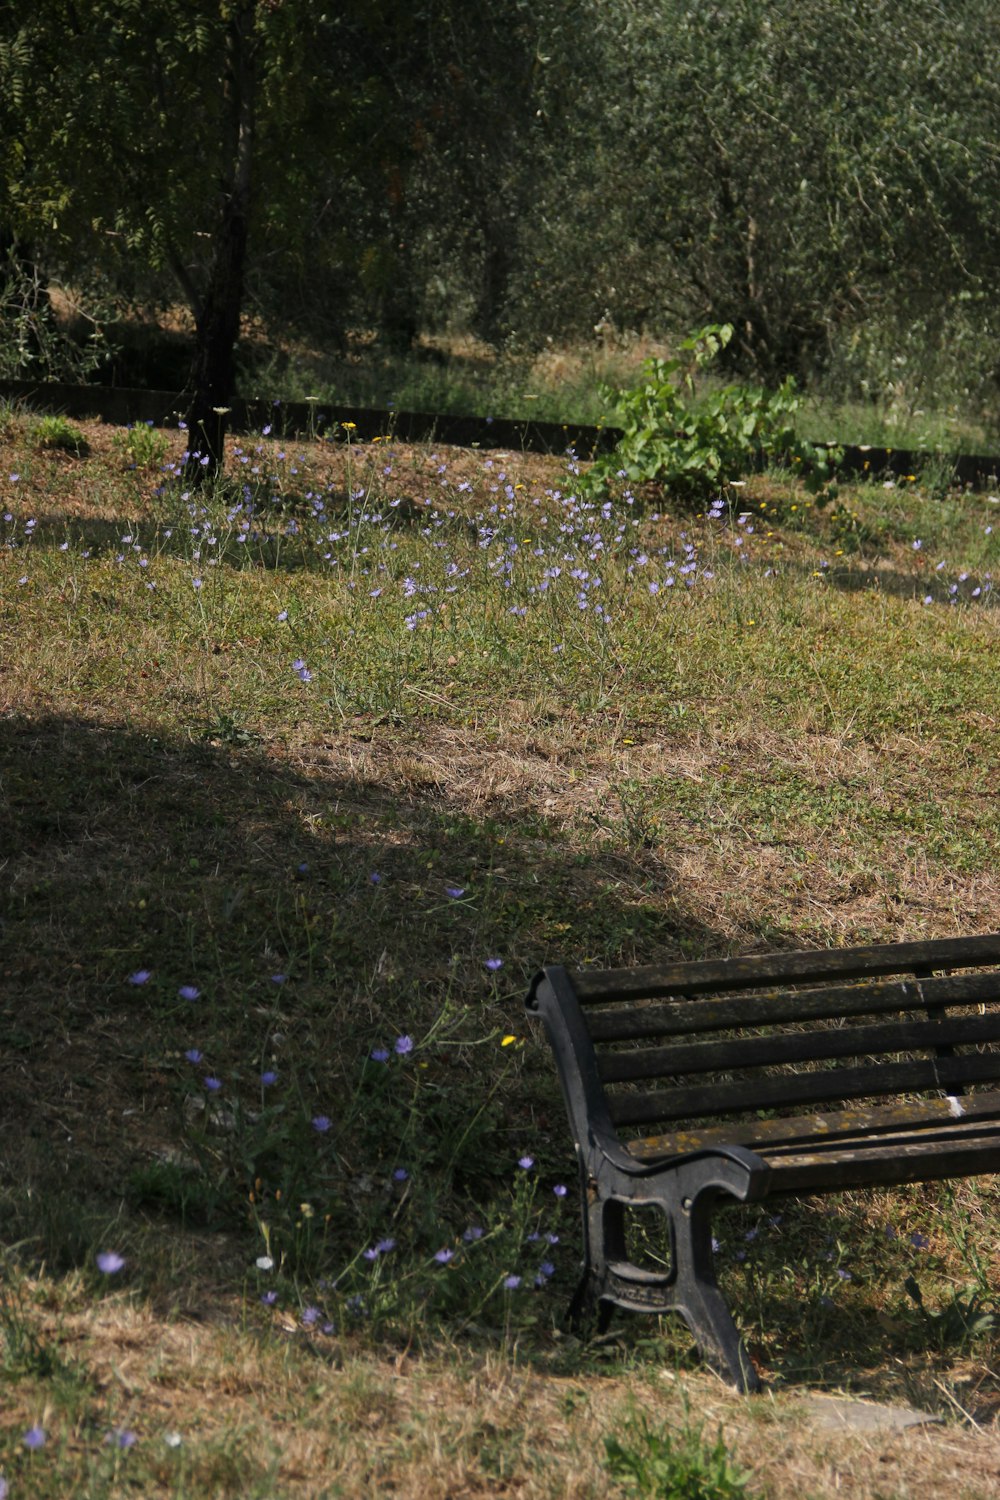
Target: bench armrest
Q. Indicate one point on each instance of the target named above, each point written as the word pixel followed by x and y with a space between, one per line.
pixel 752 1170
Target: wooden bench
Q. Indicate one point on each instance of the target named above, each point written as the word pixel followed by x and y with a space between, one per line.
pixel 798 1072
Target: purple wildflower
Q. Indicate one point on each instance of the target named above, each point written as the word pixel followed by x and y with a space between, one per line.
pixel 403 1045
pixel 493 964
pixel 212 1084
pixel 193 1055
pixel 379 1055
pixel 268 1078
pixel 321 1123
pixel 139 977
pixel 443 1256
pixel 526 1163
pixel 109 1261
pixel 34 1437
pixel 189 992
pixel 560 1190
pixel 511 1283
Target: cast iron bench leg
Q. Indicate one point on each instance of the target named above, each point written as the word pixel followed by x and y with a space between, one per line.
pixel 603 1240
pixel 689 1289
pixel 696 1294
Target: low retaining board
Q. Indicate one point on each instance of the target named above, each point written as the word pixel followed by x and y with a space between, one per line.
pixel 308 418
pixel 362 424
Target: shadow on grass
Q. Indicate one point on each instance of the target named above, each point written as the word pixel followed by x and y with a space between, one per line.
pixel 897 585
pixel 821 1287
pixel 277 539
pixel 316 916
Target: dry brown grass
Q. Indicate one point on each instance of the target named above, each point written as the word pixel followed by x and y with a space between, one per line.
pixel 441 1425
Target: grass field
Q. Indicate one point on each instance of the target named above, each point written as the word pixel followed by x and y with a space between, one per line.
pixel 300 781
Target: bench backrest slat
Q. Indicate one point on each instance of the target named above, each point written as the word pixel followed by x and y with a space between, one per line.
pixel 609 986
pixel 814 1045
pixel 695 1043
pixel 688 1017
pixel 824 1085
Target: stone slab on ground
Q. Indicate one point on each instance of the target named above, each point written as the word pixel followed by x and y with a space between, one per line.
pixel 846 1414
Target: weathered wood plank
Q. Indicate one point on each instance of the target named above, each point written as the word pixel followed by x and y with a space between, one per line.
pixel 874 1123
pixel 732 1013
pixel 859 1144
pixel 704 976
pixel 703 1101
pixel 892 1164
pixel 815 1045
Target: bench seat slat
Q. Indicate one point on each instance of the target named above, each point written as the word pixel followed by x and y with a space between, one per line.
pixel 872 1123
pixel 860 1145
pixel 691 1102
pixel 897 1162
pixel 613 985
pixel 685 1018
pixel 799 1046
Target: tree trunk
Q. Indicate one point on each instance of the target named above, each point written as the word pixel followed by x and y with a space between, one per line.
pixel 497 264
pixel 217 316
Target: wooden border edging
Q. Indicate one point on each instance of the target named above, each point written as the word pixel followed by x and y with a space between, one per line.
pixel 308 418
pixel 362 424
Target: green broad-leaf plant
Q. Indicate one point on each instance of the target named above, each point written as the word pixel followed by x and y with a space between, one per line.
pixel 694 442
